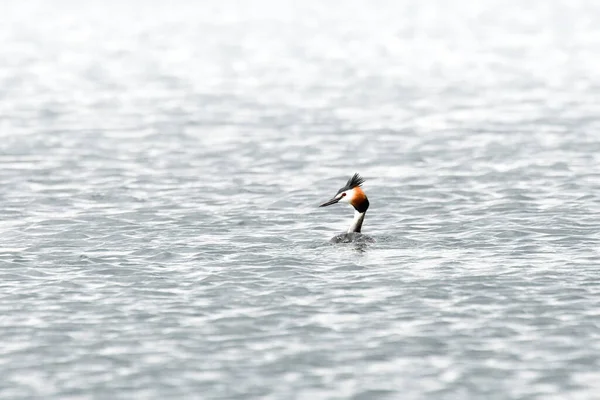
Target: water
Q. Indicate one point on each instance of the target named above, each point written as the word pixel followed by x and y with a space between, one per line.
pixel 161 167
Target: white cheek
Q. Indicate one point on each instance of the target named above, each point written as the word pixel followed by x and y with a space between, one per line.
pixel 347 197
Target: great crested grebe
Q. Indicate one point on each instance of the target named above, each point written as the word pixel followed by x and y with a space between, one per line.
pixel 353 195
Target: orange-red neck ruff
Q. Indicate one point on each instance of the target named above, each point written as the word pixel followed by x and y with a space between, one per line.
pixel 359 200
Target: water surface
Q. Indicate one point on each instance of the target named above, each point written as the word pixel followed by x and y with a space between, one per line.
pixel 161 167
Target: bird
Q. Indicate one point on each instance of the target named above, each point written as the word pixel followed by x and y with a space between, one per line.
pixel 352 194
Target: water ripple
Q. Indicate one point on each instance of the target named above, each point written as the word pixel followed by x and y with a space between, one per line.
pixel 160 183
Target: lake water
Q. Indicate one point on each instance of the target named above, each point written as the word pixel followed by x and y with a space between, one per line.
pixel 161 165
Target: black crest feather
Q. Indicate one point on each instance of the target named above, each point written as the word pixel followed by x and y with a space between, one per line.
pixel 355 181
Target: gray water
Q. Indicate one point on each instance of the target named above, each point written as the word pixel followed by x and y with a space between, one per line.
pixel 161 167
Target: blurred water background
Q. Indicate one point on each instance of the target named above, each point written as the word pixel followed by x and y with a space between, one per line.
pixel 161 164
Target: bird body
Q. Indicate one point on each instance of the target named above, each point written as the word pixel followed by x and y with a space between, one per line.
pixel 352 194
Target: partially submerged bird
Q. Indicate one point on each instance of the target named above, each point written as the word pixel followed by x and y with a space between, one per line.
pixel 353 195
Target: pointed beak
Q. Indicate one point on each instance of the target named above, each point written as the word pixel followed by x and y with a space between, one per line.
pixel 330 202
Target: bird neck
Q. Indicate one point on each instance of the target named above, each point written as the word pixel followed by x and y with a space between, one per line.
pixel 357 222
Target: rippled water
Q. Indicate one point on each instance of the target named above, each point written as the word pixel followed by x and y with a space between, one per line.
pixel 161 167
